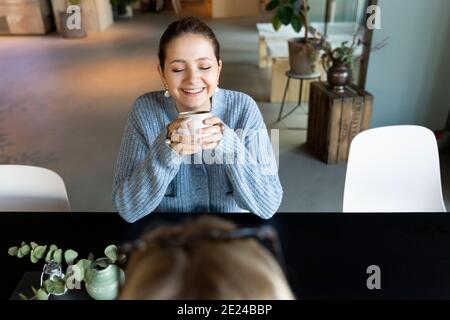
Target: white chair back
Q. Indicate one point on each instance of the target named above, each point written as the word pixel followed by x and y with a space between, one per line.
pixel 394 169
pixel 28 188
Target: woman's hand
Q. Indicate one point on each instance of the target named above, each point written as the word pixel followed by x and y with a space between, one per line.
pixel 213 134
pixel 181 141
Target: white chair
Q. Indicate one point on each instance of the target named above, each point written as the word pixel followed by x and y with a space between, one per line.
pixel 393 169
pixel 28 188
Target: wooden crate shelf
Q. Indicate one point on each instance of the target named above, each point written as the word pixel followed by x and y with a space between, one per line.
pixel 335 119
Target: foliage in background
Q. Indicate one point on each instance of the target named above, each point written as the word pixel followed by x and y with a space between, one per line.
pixel 76 271
pixel 290 12
pixel 295 13
pixel 345 53
pixel 122 2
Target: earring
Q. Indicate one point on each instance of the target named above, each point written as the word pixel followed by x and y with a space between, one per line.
pixel 217 89
pixel 167 93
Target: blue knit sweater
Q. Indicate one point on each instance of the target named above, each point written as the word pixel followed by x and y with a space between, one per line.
pixel 240 173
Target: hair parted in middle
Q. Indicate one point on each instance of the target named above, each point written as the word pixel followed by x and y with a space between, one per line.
pixel 186 25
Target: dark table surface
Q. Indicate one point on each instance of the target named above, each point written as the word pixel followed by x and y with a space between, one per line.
pixel 327 254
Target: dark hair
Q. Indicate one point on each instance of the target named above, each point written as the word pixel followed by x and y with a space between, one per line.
pixel 186 25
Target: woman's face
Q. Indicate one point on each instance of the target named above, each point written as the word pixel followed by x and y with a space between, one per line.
pixel 191 71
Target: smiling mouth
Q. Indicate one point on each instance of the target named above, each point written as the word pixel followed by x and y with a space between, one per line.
pixel 192 92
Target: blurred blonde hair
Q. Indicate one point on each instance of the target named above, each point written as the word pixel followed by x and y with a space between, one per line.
pixel 206 269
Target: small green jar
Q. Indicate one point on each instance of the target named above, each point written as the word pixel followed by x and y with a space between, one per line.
pixel 104 284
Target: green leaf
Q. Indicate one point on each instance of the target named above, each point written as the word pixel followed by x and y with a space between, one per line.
pixel 56 285
pixel 42 295
pixel 33 258
pixel 70 255
pixel 70 282
pixel 33 289
pixel 285 14
pixel 13 251
pixel 48 285
pixel 39 251
pixel 22 296
pixel 272 5
pixel 57 256
pixel 111 253
pixel 33 245
pixel 276 22
pixel 102 263
pixel 59 287
pixel 88 274
pixel 84 264
pixel 297 23
pixel 50 252
pixel 25 250
pixel 20 254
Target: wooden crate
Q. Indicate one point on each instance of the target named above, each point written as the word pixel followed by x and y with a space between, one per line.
pixel 335 119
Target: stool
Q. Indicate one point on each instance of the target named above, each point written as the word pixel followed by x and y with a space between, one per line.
pixel 301 77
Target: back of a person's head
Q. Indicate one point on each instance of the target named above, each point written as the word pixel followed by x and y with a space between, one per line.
pixel 202 269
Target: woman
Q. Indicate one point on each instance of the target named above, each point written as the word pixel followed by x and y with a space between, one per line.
pixel 153 170
pixel 208 258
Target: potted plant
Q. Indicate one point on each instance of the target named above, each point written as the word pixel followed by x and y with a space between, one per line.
pixel 339 63
pixel 303 51
pixel 122 9
pixel 101 276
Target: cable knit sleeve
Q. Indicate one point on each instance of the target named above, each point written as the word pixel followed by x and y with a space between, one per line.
pixel 144 170
pixel 250 162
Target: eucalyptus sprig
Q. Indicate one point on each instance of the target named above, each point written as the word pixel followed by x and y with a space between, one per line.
pixel 77 270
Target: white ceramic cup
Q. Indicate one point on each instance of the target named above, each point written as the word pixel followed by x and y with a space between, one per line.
pixel 196 118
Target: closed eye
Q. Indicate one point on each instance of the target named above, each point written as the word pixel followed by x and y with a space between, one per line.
pixel 178 70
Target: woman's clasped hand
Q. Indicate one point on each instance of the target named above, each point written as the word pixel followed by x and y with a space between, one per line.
pixel 184 139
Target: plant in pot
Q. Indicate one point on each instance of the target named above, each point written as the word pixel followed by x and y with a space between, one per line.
pixel 122 9
pixel 339 63
pixel 101 276
pixel 303 51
